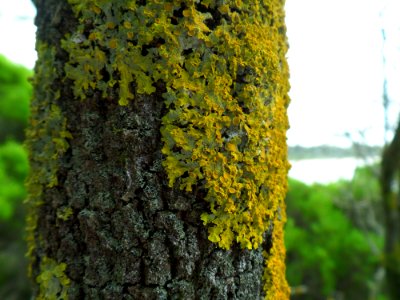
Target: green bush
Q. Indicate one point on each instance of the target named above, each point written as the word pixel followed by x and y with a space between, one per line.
pixel 326 252
pixel 14 283
pixel 15 94
pixel 13 170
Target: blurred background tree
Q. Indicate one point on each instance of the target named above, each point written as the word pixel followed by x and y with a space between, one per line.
pixel 15 93
pixel 390 184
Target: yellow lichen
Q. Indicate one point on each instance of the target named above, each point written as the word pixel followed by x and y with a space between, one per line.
pixel 46 140
pixel 53 283
pixel 64 213
pixel 226 80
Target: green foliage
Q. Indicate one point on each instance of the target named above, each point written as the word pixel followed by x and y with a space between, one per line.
pixel 15 93
pixel 360 199
pixel 14 283
pixel 13 170
pixel 364 184
pixel 326 251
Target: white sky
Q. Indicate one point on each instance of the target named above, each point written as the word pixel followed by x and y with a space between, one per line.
pixel 335 59
pixel 17 32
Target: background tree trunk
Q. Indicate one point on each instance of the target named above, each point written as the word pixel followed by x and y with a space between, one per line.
pixel 104 222
pixel 390 182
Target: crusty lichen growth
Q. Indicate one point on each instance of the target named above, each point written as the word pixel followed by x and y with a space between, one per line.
pixel 46 141
pixel 53 283
pixel 64 213
pixel 226 80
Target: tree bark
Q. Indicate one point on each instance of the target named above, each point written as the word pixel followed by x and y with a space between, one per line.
pixel 104 221
pixel 390 182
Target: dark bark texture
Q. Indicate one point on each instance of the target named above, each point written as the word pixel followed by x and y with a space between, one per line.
pixel 390 182
pixel 126 235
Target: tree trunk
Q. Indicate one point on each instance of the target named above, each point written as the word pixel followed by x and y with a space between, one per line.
pixel 390 182
pixel 142 111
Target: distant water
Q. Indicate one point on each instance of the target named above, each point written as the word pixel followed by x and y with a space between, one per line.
pixel 325 170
